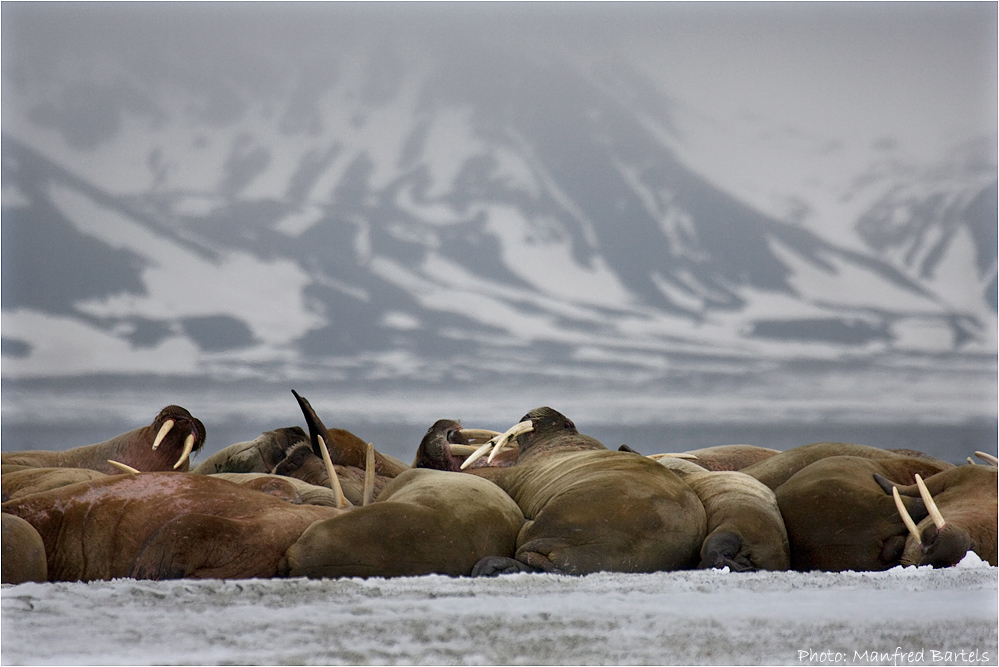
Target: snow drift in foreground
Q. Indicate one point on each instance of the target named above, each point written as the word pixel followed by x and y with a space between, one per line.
pixel 899 617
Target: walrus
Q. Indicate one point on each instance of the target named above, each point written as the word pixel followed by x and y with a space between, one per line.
pixel 724 457
pixel 289 488
pixel 961 516
pixel 745 528
pixel 286 452
pixel 166 444
pixel 23 552
pixel 838 517
pixel 425 521
pixel 776 470
pixel 28 480
pixel 163 525
pixel 589 509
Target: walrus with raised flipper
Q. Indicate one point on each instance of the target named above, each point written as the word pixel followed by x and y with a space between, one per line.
pixel 745 527
pixel 838 517
pixel 589 509
pixel 427 520
pixel 27 480
pixel 23 552
pixel 961 515
pixel 776 470
pixel 724 457
pixel 166 444
pixel 163 525
pixel 346 449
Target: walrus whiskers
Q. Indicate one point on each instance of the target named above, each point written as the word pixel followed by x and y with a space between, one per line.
pixel 167 425
pixel 331 472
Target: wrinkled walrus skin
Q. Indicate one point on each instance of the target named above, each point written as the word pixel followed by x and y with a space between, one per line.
pixel 424 522
pixel 163 526
pixel 134 448
pixel 26 481
pixel 589 509
pixel 838 517
pixel 23 552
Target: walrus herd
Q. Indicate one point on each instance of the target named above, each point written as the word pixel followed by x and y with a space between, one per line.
pixel 540 497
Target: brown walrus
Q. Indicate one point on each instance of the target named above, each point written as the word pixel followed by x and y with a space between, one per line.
pixel 589 509
pixel 962 514
pixel 724 457
pixel 431 520
pixel 776 470
pixel 166 444
pixel 745 527
pixel 839 518
pixel 23 552
pixel 26 481
pixel 163 525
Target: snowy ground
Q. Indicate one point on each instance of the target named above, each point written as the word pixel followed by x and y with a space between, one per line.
pixel 900 617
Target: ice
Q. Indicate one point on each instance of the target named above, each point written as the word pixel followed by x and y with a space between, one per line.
pixel 691 617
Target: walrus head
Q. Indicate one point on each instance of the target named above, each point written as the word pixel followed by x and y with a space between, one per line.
pixel 435 449
pixel 178 435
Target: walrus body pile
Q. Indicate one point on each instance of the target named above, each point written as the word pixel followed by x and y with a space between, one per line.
pixel 540 497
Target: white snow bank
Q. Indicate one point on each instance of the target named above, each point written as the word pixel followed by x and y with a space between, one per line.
pixel 925 616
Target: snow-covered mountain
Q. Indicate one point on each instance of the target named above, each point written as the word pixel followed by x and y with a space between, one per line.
pixel 393 210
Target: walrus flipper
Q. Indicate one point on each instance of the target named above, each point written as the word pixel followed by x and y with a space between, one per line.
pixel 493 566
pixel 316 426
pixel 721 549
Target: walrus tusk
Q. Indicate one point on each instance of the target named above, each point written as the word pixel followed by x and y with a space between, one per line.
pixel 369 474
pixel 906 519
pixel 988 458
pixel 477 454
pixel 525 426
pixel 334 480
pixel 931 506
pixel 464 450
pixel 678 455
pixel 477 436
pixel 167 425
pixel 188 448
pixel 971 462
pixel 125 468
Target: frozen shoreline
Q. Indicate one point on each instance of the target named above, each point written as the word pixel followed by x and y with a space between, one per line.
pixel 693 617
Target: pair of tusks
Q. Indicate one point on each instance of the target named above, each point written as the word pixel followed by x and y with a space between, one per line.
pixel 369 474
pixel 188 442
pixel 988 458
pixel 931 507
pixel 497 443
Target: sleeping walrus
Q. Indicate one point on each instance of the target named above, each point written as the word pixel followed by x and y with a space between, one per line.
pixel 589 509
pixel 745 526
pixel 163 525
pixel 166 444
pixel 838 517
pixel 426 521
